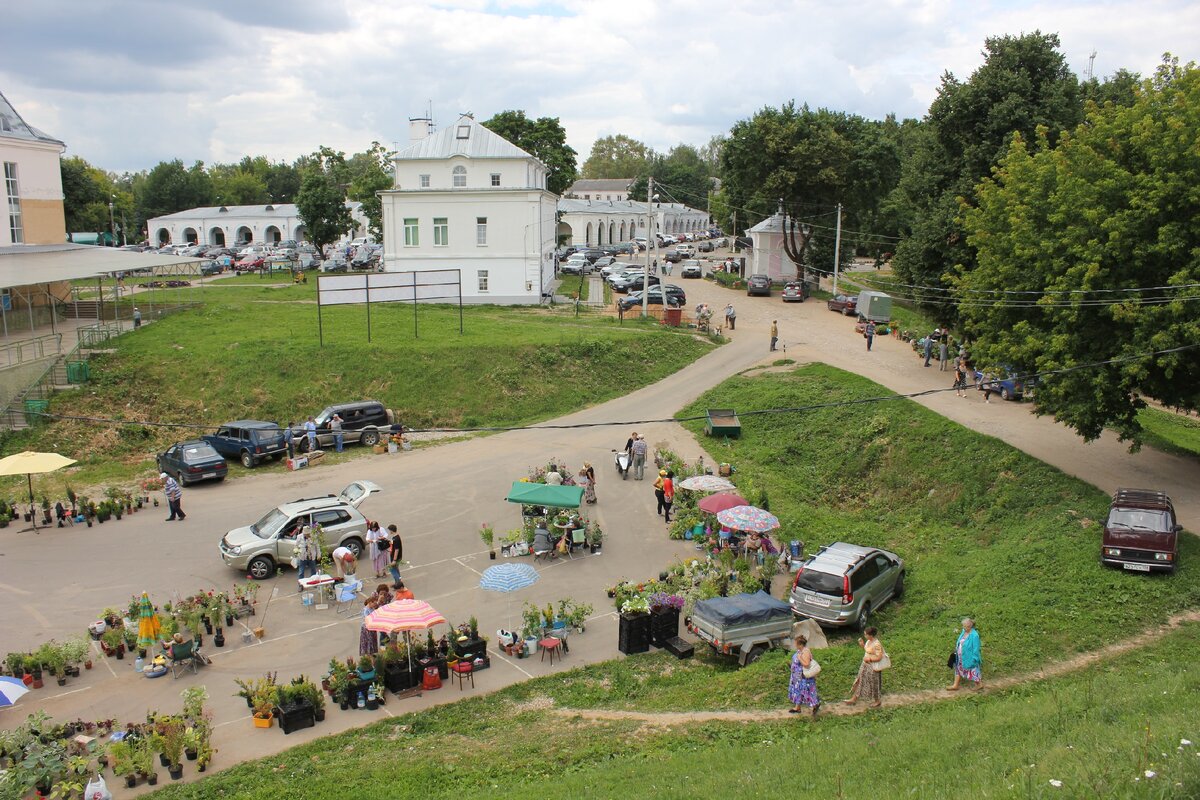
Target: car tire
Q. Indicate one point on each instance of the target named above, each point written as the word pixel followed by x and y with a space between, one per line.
pixel 179 478
pixel 864 617
pixel 355 546
pixel 369 438
pixel 1005 393
pixel 247 460
pixel 755 654
pixel 261 567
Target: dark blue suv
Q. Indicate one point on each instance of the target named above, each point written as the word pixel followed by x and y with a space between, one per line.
pixel 248 440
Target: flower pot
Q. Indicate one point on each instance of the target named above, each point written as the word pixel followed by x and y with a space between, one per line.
pixel 37 682
pixel 191 754
pixel 219 638
pixel 229 620
pixel 130 781
pixel 319 714
pixel 176 773
pixel 263 722
pixel 62 680
pixel 87 664
pixel 162 759
pixel 152 779
pixel 492 555
pixel 27 679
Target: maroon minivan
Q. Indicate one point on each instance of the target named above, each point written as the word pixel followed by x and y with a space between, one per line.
pixel 1140 534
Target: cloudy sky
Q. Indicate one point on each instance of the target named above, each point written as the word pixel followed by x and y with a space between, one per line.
pixel 127 83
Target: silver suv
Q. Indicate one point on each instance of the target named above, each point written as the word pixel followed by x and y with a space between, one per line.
pixel 259 548
pixel 844 583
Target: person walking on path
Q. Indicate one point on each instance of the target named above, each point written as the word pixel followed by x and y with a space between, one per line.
pixel 943 349
pixel 774 334
pixel 137 318
pixel 869 683
pixel 174 497
pixel 960 380
pixel 668 495
pixel 660 491
pixel 870 334
pixel 335 426
pixel 802 689
pixel 639 458
pixel 306 552
pixel 987 386
pixel 395 555
pixel 730 317
pixel 310 430
pixel 928 348
pixel 967 660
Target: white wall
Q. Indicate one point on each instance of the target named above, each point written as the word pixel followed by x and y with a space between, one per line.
pixel 39 176
pixel 514 173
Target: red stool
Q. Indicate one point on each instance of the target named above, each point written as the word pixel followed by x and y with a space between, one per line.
pixel 463 670
pixel 552 646
pixel 431 680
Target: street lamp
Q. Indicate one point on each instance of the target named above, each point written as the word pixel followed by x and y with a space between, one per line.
pixel 112 221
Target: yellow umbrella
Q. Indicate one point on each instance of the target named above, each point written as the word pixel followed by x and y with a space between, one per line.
pixel 29 463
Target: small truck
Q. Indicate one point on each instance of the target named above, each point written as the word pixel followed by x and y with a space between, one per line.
pixel 744 625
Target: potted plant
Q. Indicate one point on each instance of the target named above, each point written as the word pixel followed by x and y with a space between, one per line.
pixel 113 642
pixel 488 535
pixel 120 758
pixel 45 510
pixel 193 617
pixel 143 759
pixel 75 652
pixel 634 626
pixel 214 617
pixel 339 683
pixel 191 742
pixel 170 731
pixel 296 708
pixel 263 696
pixel 193 703
pixel 594 537
pixel 366 668
pixel 16 664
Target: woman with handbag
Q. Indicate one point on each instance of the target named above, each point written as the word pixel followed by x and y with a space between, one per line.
pixel 869 683
pixel 802 688
pixel 968 662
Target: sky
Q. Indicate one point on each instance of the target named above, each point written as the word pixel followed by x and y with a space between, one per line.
pixel 128 83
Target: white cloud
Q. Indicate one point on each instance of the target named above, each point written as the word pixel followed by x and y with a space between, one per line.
pixel 129 83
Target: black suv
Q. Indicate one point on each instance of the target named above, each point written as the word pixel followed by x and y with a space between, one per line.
pixel 250 441
pixel 366 422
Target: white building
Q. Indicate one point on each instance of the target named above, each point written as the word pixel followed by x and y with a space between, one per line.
pixel 768 255
pixel 600 222
pixel 31 203
pixel 221 226
pixel 599 189
pixel 466 198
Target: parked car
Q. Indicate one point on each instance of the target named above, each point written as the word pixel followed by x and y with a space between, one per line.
pixel 692 269
pixel 1141 534
pixel 591 254
pixel 633 281
pixel 843 584
pixel 208 268
pixel 335 263
pixel 617 266
pixel 250 441
pixel 624 274
pixel 307 260
pixel 686 250
pixel 793 292
pixel 576 265
pixel 675 297
pixel 286 244
pixel 673 256
pixel 250 262
pixel 260 548
pixel 758 285
pixel 1008 385
pixel 706 246
pixel 602 261
pixel 366 422
pixel 192 461
pixel 843 303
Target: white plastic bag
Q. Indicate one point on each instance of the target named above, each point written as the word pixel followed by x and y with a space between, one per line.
pixel 97 789
pixel 813 669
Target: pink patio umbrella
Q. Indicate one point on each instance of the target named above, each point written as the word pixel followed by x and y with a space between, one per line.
pixel 716 503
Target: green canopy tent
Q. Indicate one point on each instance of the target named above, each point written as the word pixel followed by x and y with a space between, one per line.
pixel 542 494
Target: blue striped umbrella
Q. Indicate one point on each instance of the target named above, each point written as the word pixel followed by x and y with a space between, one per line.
pixel 508 577
pixel 11 689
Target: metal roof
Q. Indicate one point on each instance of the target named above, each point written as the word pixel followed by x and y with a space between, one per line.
pixel 570 204
pixel 772 224
pixel 21 265
pixel 13 126
pixel 464 138
pixel 600 185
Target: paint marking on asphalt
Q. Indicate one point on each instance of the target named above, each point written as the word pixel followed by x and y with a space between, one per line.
pixel 514 666
pixel 461 564
pixel 37 615
pixel 231 721
pixel 5 587
pixel 104 658
pixel 73 691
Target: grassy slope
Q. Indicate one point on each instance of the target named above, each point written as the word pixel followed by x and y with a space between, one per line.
pixel 1096 731
pixel 1171 433
pixel 242 354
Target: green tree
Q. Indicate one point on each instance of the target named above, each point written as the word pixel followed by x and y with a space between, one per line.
pixel 171 187
pixel 616 156
pixel 239 188
pixel 1023 84
pixel 545 139
pixel 1070 236
pixel 322 206
pixel 370 172
pixel 87 192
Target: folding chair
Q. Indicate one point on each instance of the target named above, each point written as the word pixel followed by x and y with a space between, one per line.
pixel 183 657
pixel 578 539
pixel 346 593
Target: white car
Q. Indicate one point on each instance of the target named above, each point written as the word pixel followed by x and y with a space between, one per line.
pixel 576 265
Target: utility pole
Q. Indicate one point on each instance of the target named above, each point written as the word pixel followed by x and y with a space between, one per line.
pixel 650 238
pixel 837 249
pixel 112 222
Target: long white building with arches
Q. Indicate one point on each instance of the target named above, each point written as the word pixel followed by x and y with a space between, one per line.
pixel 230 226
pixel 601 222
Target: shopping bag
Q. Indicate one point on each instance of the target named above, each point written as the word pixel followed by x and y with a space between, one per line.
pixel 97 789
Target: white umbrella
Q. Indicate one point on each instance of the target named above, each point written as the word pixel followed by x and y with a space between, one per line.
pixel 707 483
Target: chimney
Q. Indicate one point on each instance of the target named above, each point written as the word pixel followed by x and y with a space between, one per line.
pixel 419 128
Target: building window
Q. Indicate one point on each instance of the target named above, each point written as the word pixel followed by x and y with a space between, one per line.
pixel 587 197
pixel 464 132
pixel 483 279
pixel 424 181
pixel 460 176
pixel 481 231
pixel 411 237
pixel 495 179
pixel 12 188
pixel 441 232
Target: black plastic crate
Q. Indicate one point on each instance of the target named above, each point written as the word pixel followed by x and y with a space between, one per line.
pixel 680 648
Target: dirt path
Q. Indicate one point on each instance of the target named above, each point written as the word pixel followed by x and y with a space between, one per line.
pixel 667 719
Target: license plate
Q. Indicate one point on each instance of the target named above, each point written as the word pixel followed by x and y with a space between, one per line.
pixel 1137 567
pixel 816 600
pixel 209 475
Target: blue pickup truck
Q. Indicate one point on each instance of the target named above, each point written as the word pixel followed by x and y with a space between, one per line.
pixel 248 440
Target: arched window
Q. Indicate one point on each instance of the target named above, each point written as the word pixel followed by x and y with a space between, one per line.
pixel 460 176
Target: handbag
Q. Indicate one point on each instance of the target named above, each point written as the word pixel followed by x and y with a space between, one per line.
pixel 952 661
pixel 812 670
pixel 883 663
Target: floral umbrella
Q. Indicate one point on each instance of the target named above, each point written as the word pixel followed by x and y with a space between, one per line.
pixel 749 519
pixel 404 615
pixel 707 483
pixel 716 503
pixel 148 625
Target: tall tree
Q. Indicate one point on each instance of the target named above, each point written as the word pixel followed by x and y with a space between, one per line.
pixel 322 206
pixel 1070 239
pixel 87 192
pixel 171 187
pixel 370 172
pixel 616 156
pixel 543 138
pixel 1023 83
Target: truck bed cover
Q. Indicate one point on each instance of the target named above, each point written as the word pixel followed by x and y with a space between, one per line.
pixel 742 608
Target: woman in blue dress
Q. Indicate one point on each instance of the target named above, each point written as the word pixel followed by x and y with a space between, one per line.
pixel 802 691
pixel 968 662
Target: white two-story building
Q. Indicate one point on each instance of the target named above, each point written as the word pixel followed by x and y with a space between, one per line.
pixel 466 198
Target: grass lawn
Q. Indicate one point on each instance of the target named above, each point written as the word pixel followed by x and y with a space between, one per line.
pixel 1100 732
pixel 1169 432
pixel 251 351
pixel 904 314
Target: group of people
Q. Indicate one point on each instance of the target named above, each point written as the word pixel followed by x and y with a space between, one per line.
pixel 368 641
pixel 965 660
pixel 636 450
pixel 664 491
pixel 385 549
pixel 585 479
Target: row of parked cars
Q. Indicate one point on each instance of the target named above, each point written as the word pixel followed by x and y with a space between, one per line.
pixel 253 442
